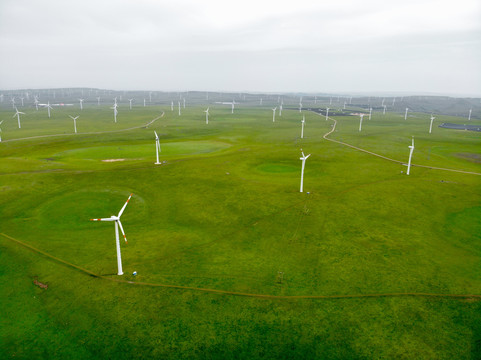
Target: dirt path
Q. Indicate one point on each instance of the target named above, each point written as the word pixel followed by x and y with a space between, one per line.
pixel 89 133
pixel 386 158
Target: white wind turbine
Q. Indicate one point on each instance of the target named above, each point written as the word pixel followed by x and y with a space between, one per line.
pixel 81 102
pixel 144 102
pixel 171 106
pixel 1 131
pixel 115 111
pixel 179 107
pixel 384 111
pixel 411 149
pixel 406 114
pixel 206 116
pixel 157 147
pixel 36 103
pixel 327 114
pixel 274 114
pixel 260 102
pixel 280 108
pixel 370 113
pixel 184 102
pixel 98 101
pixel 360 122
pixel 49 108
pixel 118 224
pixel 469 117
pixel 233 106
pixel 21 99
pixel 13 102
pixel 74 122
pixel 300 105
pixel 431 125
pixel 17 114
pixel 303 159
pixel 130 103
pixel 302 126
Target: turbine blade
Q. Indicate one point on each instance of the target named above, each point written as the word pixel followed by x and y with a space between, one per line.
pixel 103 219
pixel 123 208
pixel 122 229
pixel 156 136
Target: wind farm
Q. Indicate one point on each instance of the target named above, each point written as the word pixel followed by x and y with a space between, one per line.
pixel 372 261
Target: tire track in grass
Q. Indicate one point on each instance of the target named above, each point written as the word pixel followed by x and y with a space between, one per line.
pixel 241 294
pixel 386 158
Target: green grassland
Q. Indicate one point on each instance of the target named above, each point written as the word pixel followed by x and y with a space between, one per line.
pixel 224 212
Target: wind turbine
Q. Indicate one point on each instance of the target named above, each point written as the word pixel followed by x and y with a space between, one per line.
pixel 115 111
pixel 406 114
pixel 303 158
pixel 144 102
pixel 431 125
pixel 1 131
pixel 360 122
pixel 206 116
pixel 274 114
pixel 21 100
pixel 469 117
pixel 179 107
pixel 48 108
pixel 81 102
pixel 171 106
pixel 260 102
pixel 382 103
pixel 36 103
pixel 384 111
pixel 17 114
pixel 233 106
pixel 74 122
pixel 130 102
pixel 118 224
pixel 300 105
pixel 411 149
pixel 98 101
pixel 184 102
pixel 157 147
pixel 302 126
pixel 280 108
pixel 327 114
pixel 13 102
pixel 370 113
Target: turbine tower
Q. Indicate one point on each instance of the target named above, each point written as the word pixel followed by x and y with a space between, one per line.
pixel 36 102
pixel 115 111
pixel 406 114
pixel 1 131
pixel 303 159
pixel 360 122
pixel 370 113
pixel 179 107
pixel 431 125
pixel 274 114
pixel 207 116
pixel 157 147
pixel 384 111
pixel 74 122
pixel 469 116
pixel 118 224
pixel 98 101
pixel 411 149
pixel 302 126
pixel 81 102
pixel 327 114
pixel 48 108
pixel 130 103
pixel 171 106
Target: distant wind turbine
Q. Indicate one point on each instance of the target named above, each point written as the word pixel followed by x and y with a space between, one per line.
pixel 36 102
pixel 1 131
pixel 370 113
pixel 179 107
pixel 274 114
pixel 327 114
pixel 184 102
pixel 171 106
pixel 411 149
pixel 280 109
pixel 144 102
pixel 406 114
pixel 13 102
pixel 384 111
pixel 17 114
pixel 206 116
pixel 302 126
pixel 98 101
pixel 303 159
pixel 74 122
pixel 360 122
pixel 118 224
pixel 157 147
pixel 469 117
pixel 49 108
pixel 300 106
pixel 130 103
pixel 431 125
pixel 115 111
pixel 81 102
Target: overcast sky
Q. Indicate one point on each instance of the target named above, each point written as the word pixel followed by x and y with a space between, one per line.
pixel 338 46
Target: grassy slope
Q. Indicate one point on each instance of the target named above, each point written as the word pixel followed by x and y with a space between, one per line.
pixel 230 216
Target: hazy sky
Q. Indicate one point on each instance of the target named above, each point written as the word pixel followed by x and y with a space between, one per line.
pixel 250 45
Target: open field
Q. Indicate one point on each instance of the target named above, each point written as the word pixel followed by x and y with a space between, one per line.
pixel 223 212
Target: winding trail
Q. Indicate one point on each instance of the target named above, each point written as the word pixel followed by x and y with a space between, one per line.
pixel 89 133
pixel 236 293
pixel 386 158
